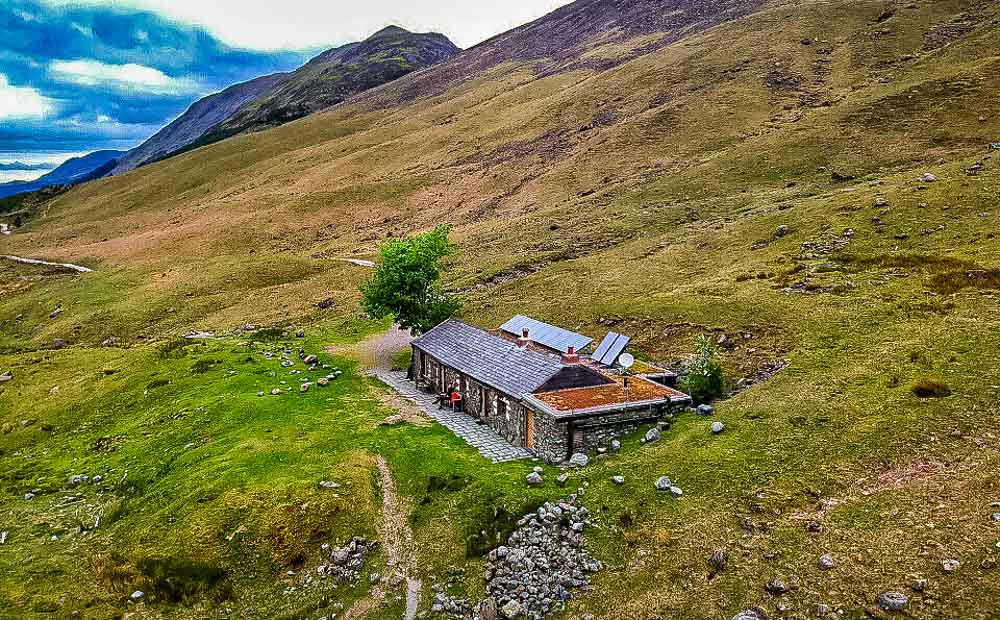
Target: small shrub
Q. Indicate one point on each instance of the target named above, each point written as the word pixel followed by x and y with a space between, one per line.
pixel 704 380
pixel 930 387
pixel 177 580
pixel 174 349
pixel 203 365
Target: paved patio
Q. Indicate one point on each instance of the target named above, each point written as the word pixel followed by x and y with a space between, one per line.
pixel 479 436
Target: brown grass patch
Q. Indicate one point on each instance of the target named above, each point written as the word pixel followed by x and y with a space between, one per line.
pixel 930 387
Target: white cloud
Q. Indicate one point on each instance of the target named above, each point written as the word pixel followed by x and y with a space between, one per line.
pixel 22 102
pixel 307 24
pixel 125 78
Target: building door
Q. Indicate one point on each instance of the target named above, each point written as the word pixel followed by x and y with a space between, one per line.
pixel 529 429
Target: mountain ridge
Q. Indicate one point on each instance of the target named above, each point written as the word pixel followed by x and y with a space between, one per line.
pixel 325 80
pixel 72 171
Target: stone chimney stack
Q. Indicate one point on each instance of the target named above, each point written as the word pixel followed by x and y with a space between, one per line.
pixel 524 339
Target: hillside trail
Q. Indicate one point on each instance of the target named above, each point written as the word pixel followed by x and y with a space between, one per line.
pixel 397 540
pixel 35 261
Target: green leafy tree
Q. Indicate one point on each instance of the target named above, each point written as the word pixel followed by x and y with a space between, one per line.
pixel 704 380
pixel 406 284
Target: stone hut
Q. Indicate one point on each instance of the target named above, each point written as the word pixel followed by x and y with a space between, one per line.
pixel 540 394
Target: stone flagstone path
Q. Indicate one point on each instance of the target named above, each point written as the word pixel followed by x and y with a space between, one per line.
pixel 479 436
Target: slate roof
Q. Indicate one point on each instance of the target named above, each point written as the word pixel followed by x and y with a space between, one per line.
pixel 489 359
pixel 553 337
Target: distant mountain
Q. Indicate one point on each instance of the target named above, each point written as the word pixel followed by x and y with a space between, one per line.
pixel 19 166
pixel 324 81
pixel 72 171
pixel 203 116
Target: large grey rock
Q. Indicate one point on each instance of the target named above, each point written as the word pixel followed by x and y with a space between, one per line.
pixel 663 483
pixel 652 435
pixel 619 480
pixel 534 479
pixel 138 594
pixel 826 561
pixel 893 601
pixel 718 427
pixel 950 566
pixel 719 560
pixel 5 377
pixel 705 409
pixel 749 614
pixel 512 610
pixel 579 460
pixel 676 492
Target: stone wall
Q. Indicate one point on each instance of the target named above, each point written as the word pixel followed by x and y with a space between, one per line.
pixel 593 433
pixel 552 435
pixel 551 438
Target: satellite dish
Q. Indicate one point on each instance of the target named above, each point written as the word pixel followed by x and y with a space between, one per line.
pixel 626 360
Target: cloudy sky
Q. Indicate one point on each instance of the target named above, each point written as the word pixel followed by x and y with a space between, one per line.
pixel 82 75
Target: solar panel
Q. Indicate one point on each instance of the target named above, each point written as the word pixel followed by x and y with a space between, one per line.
pixel 610 348
pixel 604 346
pixel 546 335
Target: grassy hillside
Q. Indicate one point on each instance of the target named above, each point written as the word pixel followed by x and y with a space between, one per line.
pixel 762 178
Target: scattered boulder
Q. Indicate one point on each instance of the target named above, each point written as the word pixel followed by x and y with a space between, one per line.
pixel 346 563
pixel 652 435
pixel 579 460
pixel 300 333
pixel 893 601
pixel 276 392
pixel 718 427
pixel 950 566
pixel 927 177
pixel 718 560
pixel 323 382
pixel 919 585
pixel 676 492
pixel 663 483
pixel 326 304
pixel 777 587
pixel 619 480
pixel 327 484
pixel 137 595
pixel 617 445
pixel 305 387
pixel 750 614
pixel 780 231
pixel 5 377
pixel 705 409
pixel 309 360
pixel 534 479
pixel 562 479
pixel 58 343
pixel 29 496
pixel 826 561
